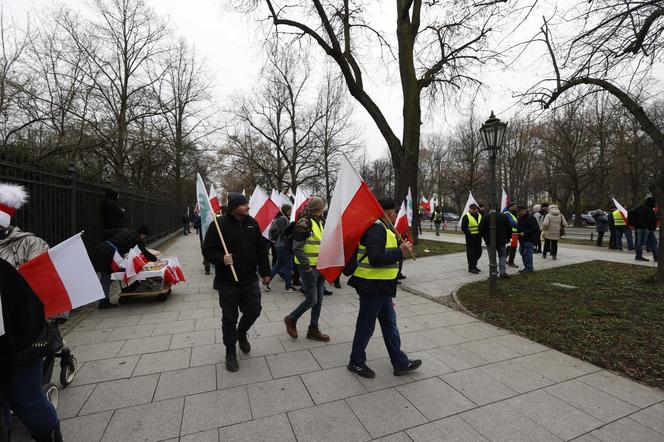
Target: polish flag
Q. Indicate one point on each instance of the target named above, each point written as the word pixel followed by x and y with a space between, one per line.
pixel 170 277
pixel 63 277
pixel 401 224
pixel 471 200
pixel 425 205
pixel 275 197
pixel 504 201
pixel 621 209
pixel 352 210
pixel 301 201
pixel 117 262
pixel 134 263
pixel 214 199
pixel 174 263
pixel 262 209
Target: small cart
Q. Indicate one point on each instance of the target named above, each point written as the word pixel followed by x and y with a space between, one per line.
pixel 148 282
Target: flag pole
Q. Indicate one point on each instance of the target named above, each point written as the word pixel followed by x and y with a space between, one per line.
pixel 223 243
pixel 394 230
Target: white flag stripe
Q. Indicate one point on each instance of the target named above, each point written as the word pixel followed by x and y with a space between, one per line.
pixel 73 265
pixel 257 201
pixel 470 201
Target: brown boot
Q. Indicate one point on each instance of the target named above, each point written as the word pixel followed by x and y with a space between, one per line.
pixel 291 327
pixel 315 334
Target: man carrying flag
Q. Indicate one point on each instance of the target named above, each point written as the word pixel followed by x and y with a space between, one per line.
pixel 379 256
pixel 306 247
pixel 246 252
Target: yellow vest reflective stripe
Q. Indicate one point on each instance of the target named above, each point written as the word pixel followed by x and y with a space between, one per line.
pixel 510 214
pixel 473 224
pixel 311 247
pixel 385 273
pixel 618 220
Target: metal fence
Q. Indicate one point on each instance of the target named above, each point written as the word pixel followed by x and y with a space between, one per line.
pixel 61 205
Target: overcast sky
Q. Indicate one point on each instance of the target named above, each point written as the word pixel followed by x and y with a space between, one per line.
pixel 230 42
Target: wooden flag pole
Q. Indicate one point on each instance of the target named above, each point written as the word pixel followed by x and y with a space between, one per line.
pixel 223 243
pixel 394 230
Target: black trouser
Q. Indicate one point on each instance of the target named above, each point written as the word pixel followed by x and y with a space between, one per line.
pixel 551 245
pixel 600 238
pixel 512 254
pixel 247 299
pixel 473 250
pixel 538 245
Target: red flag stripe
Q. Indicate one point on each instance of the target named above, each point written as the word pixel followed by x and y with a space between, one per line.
pixel 43 278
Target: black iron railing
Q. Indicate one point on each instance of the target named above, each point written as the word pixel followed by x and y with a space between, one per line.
pixel 61 205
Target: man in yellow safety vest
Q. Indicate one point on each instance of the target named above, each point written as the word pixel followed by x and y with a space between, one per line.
pixel 470 225
pixel 306 246
pixel 379 255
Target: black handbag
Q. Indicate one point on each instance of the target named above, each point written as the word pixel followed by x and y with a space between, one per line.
pixel 47 343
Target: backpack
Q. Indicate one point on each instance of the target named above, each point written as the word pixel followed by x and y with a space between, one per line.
pixel 273 233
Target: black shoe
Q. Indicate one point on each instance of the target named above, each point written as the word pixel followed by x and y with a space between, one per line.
pixel 326 292
pixel 401 276
pixel 231 359
pixel 640 258
pixel 243 343
pixel 105 303
pixel 478 269
pixel 412 366
pixel 505 276
pixel 474 271
pixel 337 284
pixel 362 370
pixel 514 265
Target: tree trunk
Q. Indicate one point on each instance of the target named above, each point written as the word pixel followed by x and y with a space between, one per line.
pixel 578 221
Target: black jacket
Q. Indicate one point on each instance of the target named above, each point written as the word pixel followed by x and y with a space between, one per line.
pixel 374 240
pixel 245 242
pixel 645 218
pixel 464 222
pixel 23 314
pixel 122 240
pixel 503 229
pixel 112 216
pixel 529 227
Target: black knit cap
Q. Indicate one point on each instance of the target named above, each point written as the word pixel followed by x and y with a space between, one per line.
pixel 236 200
pixel 386 203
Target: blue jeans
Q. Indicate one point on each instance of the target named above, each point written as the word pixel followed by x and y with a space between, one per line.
pixel 526 250
pixel 646 237
pixel 313 285
pixel 374 307
pixel 284 266
pixel 24 395
pixel 105 280
pixel 628 235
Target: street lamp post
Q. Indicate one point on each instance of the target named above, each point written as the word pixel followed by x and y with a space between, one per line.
pixel 493 132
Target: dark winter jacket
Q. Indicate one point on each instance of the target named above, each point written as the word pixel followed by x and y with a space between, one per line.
pixel 122 240
pixel 529 227
pixel 280 223
pixel 601 221
pixel 374 240
pixel 645 217
pixel 112 216
pixel 245 242
pixel 503 229
pixel 23 314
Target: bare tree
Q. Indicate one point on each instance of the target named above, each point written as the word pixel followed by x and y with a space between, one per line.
pixel 436 48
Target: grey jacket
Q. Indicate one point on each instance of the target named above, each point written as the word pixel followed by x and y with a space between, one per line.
pixel 280 224
pixel 19 247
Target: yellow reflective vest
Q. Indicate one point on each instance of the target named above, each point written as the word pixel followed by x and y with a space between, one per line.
pixel 385 273
pixel 618 219
pixel 311 247
pixel 473 224
pixel 516 221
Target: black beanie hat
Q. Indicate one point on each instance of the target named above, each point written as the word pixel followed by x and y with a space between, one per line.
pixel 386 203
pixel 235 200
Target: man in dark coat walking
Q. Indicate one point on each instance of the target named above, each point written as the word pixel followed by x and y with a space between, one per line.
pixel 246 253
pixel 503 236
pixel 528 235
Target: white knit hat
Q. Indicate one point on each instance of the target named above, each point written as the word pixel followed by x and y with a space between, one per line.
pixel 12 198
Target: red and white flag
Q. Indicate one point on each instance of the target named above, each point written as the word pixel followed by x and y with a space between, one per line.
pixel 275 197
pixel 214 199
pixel 621 209
pixel 262 209
pixel 352 210
pixel 301 201
pixel 174 263
pixel 504 201
pixel 425 205
pixel 117 262
pixel 134 263
pixel 401 224
pixel 63 277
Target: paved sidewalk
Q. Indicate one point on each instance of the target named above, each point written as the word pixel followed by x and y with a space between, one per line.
pixel 153 371
pixel 438 276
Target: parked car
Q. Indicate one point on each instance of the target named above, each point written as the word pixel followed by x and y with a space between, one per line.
pixel 449 216
pixel 586 218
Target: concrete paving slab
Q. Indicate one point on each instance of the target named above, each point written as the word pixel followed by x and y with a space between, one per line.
pixel 291 363
pixel 435 399
pixel 627 430
pixel 163 361
pixel 71 400
pixel 149 422
pixel 332 384
pixel 625 389
pixel 478 386
pixel 215 409
pixel 452 428
pixel 150 344
pixel 251 371
pixel 185 382
pixel 275 428
pixel 121 393
pixel 278 396
pixel 105 370
pixel 333 422
pixel 385 412
pixel 95 352
pixel 85 428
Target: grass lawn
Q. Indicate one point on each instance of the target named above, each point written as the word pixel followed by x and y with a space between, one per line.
pixel 614 318
pixel 428 247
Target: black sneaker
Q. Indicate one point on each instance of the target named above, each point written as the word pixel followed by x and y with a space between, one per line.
pixel 337 284
pixel 362 370
pixel 104 304
pixel 474 271
pixel 231 359
pixel 505 276
pixel 640 258
pixel 244 343
pixel 412 366
pixel 326 292
pixel 401 276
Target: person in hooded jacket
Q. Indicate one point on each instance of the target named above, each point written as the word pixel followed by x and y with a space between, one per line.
pixel 112 215
pixel 601 225
pixel 645 224
pixel 552 227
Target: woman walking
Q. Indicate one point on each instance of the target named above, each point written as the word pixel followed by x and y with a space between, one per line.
pixel 553 228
